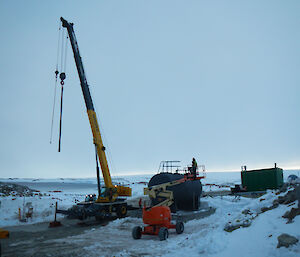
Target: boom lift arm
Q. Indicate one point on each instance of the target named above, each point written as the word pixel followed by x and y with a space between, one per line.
pixel 161 192
pixel 112 191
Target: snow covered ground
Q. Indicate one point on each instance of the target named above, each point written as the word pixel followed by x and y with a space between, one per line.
pixel 205 237
pixel 66 192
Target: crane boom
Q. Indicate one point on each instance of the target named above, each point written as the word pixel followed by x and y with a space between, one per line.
pixel 115 190
pixel 89 104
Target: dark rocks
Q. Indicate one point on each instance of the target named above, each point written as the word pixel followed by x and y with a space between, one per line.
pixel 264 209
pixel 286 240
pixel 287 199
pixel 229 227
pixel 273 206
pixel 284 188
pixel 291 196
pixel 276 202
pixel 247 212
pixel 290 215
pixel 7 189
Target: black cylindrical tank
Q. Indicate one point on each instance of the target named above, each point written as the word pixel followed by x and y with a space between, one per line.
pixel 186 195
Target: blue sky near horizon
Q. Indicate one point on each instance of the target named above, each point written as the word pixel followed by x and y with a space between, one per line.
pixel 171 80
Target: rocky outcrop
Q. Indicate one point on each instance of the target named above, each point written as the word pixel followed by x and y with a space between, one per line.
pixel 7 189
pixel 290 215
pixel 290 197
pixel 286 240
pixel 229 227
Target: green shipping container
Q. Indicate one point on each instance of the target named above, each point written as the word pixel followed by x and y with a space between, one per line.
pixel 260 180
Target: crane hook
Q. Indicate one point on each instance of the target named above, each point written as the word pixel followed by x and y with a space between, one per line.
pixel 62 77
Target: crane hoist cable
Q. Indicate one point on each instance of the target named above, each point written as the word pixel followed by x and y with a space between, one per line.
pixel 62 77
pixel 54 100
pixel 98 171
pixel 60 116
pixel 62 58
pixel 55 85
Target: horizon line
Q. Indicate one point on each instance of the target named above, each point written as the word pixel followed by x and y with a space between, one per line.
pixel 128 174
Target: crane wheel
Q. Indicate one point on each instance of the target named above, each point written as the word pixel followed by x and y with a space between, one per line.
pixel 163 233
pixel 101 215
pixel 121 211
pixel 179 227
pixel 98 218
pixel 137 232
pixel 82 216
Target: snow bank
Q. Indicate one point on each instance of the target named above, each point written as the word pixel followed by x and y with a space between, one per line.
pixel 43 207
pixel 205 237
pixel 66 192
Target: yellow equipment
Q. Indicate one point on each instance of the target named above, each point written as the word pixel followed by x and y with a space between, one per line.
pixel 108 196
pixel 165 197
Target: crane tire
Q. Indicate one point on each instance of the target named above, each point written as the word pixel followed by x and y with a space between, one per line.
pixel 121 211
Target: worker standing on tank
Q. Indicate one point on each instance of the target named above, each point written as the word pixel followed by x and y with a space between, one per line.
pixel 194 167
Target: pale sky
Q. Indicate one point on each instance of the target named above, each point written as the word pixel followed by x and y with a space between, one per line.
pixel 170 80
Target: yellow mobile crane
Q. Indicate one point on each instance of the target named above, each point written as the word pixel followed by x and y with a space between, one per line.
pixel 108 199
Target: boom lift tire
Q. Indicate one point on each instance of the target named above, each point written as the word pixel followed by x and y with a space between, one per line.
pixel 163 233
pixel 179 227
pixel 137 232
pixel 121 211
